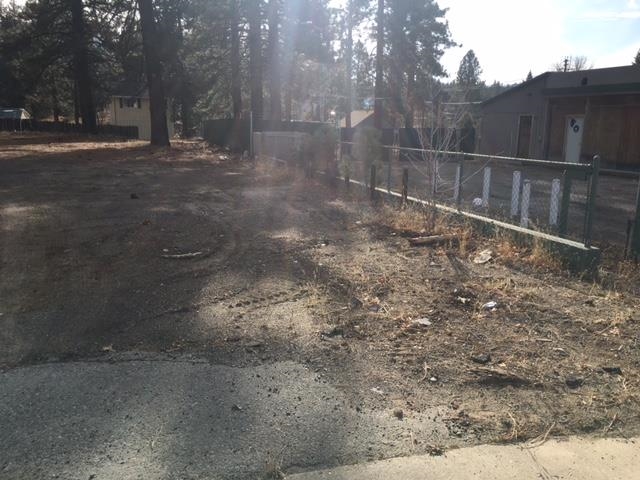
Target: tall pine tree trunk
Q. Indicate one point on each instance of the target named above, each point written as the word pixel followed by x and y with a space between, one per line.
pixel 157 102
pixel 275 83
pixel 379 87
pixel 236 85
pixel 255 58
pixel 349 64
pixel 81 68
pixel 409 105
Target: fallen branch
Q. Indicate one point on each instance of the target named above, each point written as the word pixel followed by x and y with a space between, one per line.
pixel 432 240
pixel 182 256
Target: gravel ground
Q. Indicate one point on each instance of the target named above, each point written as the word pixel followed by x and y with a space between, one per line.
pixel 162 274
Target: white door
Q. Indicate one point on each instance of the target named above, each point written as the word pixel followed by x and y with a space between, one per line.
pixel 573 139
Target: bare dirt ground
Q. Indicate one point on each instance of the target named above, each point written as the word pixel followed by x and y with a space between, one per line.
pixel 116 247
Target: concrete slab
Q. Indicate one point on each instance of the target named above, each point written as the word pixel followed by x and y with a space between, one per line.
pixel 155 416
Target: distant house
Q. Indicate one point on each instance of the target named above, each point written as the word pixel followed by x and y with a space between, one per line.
pixel 567 116
pixel 363 118
pixel 133 110
pixel 12 118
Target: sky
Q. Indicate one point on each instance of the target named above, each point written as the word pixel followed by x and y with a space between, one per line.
pixel 511 37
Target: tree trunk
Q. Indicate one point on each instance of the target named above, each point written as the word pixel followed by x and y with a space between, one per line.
pixel 275 83
pixel 379 88
pixel 56 103
pixel 81 68
pixel 76 104
pixel 255 58
pixel 411 85
pixel 349 64
pixel 157 102
pixel 185 109
pixel 236 86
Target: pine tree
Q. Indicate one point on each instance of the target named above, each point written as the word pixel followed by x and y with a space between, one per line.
pixel 636 60
pixel 529 76
pixel 469 71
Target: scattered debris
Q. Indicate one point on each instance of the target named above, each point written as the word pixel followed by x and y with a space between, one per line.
pixel 355 303
pixel 183 256
pixel 499 377
pixel 108 348
pixel 490 305
pixel 435 450
pixel 433 379
pixel 377 390
pixel 334 332
pixel 483 257
pixel 574 382
pixel 398 413
pixel 422 322
pixel 432 240
pixel 236 408
pixel 613 370
pixel 482 359
pixel 476 203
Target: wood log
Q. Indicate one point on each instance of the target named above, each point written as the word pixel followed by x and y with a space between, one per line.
pixel 433 240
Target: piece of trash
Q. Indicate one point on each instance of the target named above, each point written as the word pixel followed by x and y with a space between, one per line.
pixel 377 390
pixel 236 408
pixel 574 382
pixel 482 359
pixel 490 305
pixel 613 370
pixel 182 256
pixel 334 332
pixel 107 348
pixel 355 303
pixel 423 322
pixel 483 257
pixel 476 203
pixel 165 250
pixel 433 379
pixel 463 300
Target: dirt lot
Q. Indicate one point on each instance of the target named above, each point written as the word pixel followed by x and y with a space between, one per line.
pixel 113 246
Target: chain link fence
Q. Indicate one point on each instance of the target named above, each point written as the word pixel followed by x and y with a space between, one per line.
pixel 573 201
pixel 553 197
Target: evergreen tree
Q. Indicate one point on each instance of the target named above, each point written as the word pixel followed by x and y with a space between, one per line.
pixel 636 60
pixel 529 76
pixel 469 71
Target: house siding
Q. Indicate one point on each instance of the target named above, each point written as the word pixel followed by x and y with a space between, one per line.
pixel 134 116
pixel 609 100
pixel 612 128
pixel 501 118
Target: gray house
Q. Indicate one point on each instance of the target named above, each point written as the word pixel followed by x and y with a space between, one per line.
pixel 567 116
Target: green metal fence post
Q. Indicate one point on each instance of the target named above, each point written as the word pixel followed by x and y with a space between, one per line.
pixel 564 205
pixel 591 200
pixel 373 182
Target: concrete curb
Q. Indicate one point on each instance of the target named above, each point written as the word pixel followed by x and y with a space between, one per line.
pixel 574 458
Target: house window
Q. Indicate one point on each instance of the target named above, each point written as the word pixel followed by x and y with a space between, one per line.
pixel 121 103
pixel 131 102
